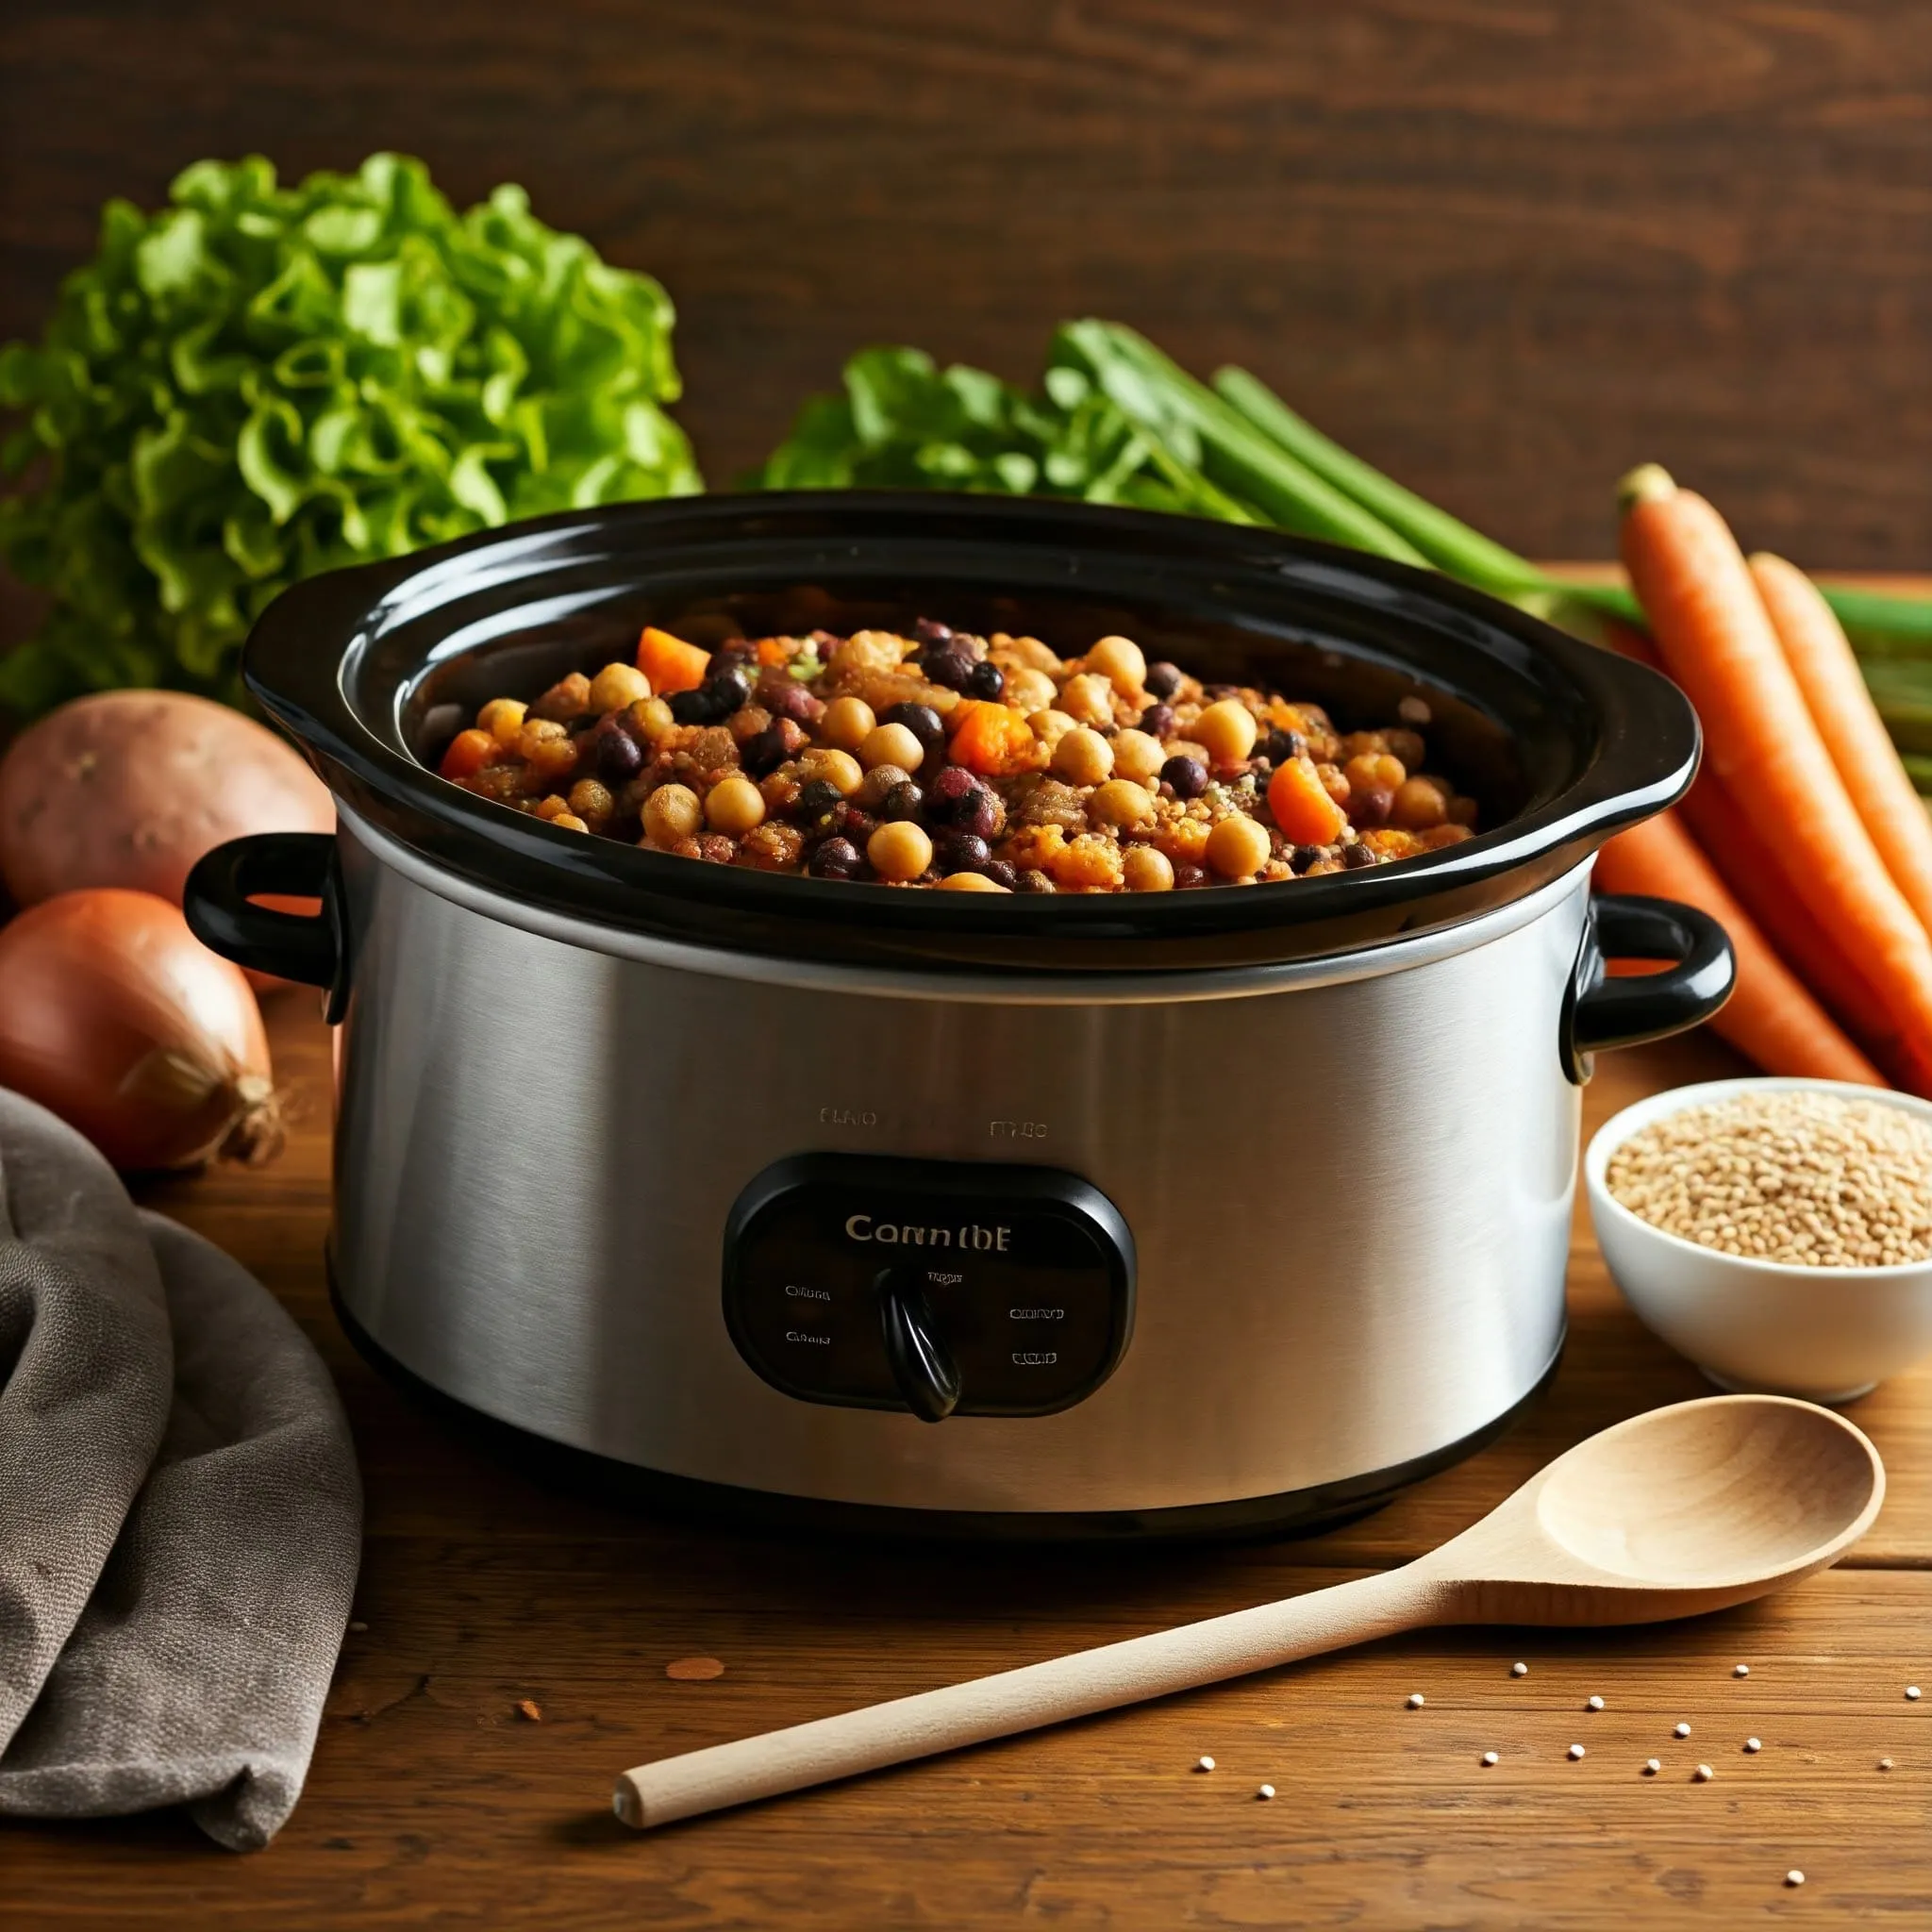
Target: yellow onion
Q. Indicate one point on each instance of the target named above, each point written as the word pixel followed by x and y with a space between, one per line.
pixel 114 1016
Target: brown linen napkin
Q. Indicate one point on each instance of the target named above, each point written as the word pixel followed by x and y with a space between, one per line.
pixel 196 1672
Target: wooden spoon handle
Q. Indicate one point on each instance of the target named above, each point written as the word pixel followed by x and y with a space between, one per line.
pixel 1022 1699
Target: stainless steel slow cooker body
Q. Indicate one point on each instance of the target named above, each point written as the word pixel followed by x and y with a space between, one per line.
pixel 1343 1155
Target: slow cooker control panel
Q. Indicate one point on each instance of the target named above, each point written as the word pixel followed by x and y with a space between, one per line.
pixel 943 1287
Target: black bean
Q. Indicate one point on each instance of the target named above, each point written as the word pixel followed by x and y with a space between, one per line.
pixel 853 823
pixel 953 790
pixel 1000 873
pixel 1188 777
pixel 1278 747
pixel 818 798
pixel 619 757
pixel 1030 880
pixel 1356 855
pixel 956 851
pixel 713 701
pixel 764 751
pixel 986 681
pixel 1158 720
pixel 930 631
pixel 1186 877
pixel 952 665
pixel 923 723
pixel 1305 855
pixel 901 801
pixel 835 859
pixel 1162 680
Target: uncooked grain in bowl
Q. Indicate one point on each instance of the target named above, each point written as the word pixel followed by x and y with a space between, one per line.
pixel 1789 1174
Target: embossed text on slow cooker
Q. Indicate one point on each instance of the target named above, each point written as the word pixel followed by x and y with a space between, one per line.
pixel 863 1227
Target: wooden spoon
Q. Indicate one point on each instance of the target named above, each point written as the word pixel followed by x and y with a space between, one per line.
pixel 1685 1509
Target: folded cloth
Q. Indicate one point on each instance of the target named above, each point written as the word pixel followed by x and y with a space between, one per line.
pixel 196 1669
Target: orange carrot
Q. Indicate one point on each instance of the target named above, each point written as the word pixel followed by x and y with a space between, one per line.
pixel 1717 641
pixel 670 663
pixel 1301 804
pixel 1771 1018
pixel 1821 658
pixel 468 753
pixel 990 738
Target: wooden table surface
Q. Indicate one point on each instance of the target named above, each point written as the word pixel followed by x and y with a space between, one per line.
pixel 432 1801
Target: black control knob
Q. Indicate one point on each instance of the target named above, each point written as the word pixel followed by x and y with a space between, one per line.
pixel 922 1364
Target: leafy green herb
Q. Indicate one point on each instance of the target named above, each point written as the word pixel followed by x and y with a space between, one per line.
pixel 905 424
pixel 260 382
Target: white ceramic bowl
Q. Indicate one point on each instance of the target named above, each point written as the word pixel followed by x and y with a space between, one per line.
pixel 1828 1334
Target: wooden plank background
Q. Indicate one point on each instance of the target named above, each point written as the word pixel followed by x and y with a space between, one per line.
pixel 1505 247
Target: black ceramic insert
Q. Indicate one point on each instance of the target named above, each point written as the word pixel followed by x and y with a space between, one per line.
pixel 374 669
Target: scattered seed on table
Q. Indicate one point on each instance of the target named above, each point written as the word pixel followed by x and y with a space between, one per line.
pixel 1794 1877
pixel 529 1707
pixel 1884 1764
pixel 1741 1669
pixel 1415 1700
pixel 1651 1766
pixel 1913 1692
pixel 1519 1670
pixel 1265 1792
pixel 695 1669
pixel 1594 1704
pixel 357 1625
pixel 1704 1774
pixel 1681 1731
pixel 1576 1751
pixel 1752 1744
pixel 1491 1757
pixel 1204 1764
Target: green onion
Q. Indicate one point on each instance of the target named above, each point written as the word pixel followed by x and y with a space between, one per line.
pixel 1171 407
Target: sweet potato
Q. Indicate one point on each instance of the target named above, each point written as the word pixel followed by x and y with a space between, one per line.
pixel 129 788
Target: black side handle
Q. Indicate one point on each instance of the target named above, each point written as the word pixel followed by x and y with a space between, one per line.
pixel 1602 1011
pixel 301 865
pixel 920 1363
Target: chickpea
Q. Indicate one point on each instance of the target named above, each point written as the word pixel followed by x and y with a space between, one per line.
pixel 899 850
pixel 1139 756
pixel 1088 699
pixel 1228 730
pixel 734 805
pixel 1145 869
pixel 838 768
pixel 503 718
pixel 1462 812
pixel 653 718
pixel 569 821
pixel 970 882
pixel 1122 662
pixel 671 813
pixel 1030 691
pixel 1120 802
pixel 1237 848
pixel 592 802
pixel 847 723
pixel 1082 757
pixel 1374 767
pixel 1049 727
pixel 1419 804
pixel 618 685
pixel 891 745
pixel 552 808
pixel 1027 651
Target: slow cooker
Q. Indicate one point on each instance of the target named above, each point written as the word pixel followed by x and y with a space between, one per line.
pixel 1136 1214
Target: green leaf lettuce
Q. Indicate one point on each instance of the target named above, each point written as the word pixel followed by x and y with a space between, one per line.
pixel 259 382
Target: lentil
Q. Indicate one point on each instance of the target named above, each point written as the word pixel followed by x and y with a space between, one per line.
pixel 1204 1764
pixel 1752 1746
pixel 1576 1751
pixel 1491 1757
pixel 1651 1766
pixel 1264 1792
pixel 1681 1731
pixel 1519 1670
pixel 1792 1176
pixel 1415 1700
pixel 1704 1774
pixel 1099 773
